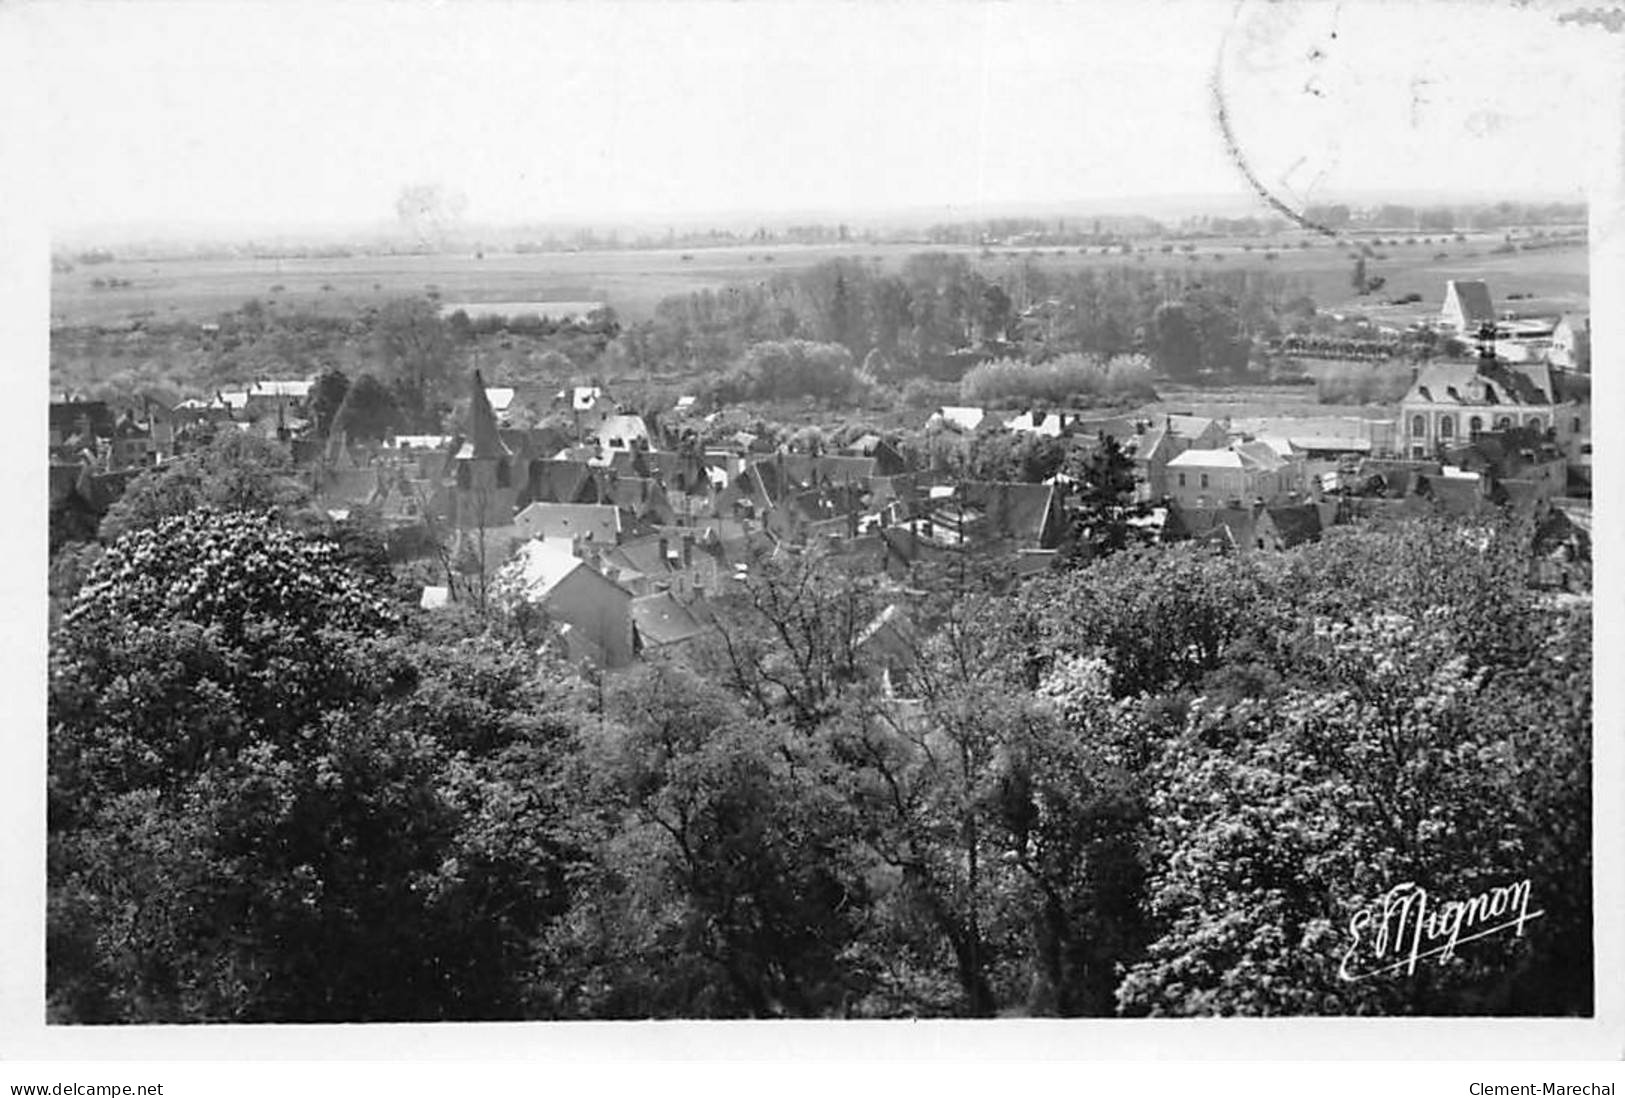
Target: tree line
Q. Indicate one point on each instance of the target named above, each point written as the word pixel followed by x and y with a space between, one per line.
pixel 940 314
pixel 1159 782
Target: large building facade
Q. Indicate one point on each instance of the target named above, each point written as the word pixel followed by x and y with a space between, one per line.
pixel 1451 401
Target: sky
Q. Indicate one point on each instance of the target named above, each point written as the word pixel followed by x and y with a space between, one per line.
pixel 253 115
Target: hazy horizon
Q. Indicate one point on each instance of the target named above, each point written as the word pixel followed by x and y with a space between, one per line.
pixel 239 120
pixel 1164 208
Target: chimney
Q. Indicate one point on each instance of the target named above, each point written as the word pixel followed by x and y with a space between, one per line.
pixel 665 552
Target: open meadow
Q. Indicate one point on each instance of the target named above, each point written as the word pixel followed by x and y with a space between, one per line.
pixel 634 282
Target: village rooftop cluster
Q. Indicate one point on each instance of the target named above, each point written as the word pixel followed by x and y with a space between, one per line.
pixel 623 527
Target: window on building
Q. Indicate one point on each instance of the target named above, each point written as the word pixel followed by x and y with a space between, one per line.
pixel 1182 480
pixel 1535 424
pixel 1504 423
pixel 465 476
pixel 1574 424
pixel 1447 426
pixel 1419 426
pixel 1204 480
pixel 1475 425
pixel 504 474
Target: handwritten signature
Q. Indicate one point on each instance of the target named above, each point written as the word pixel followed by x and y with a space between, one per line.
pixel 1407 924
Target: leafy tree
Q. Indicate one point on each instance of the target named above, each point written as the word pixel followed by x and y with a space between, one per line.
pixel 237 471
pixel 326 398
pixel 1176 347
pixel 261 808
pixel 715 885
pixel 1278 821
pixel 1162 618
pixel 416 345
pixel 787 642
pixel 792 369
pixel 1103 506
pixel 369 411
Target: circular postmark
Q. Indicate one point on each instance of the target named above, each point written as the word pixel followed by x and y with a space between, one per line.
pixel 1278 87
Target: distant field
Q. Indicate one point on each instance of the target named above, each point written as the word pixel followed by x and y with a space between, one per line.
pixel 634 282
pixel 1256 401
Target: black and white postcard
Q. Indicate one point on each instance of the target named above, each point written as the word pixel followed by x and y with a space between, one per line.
pixel 1038 525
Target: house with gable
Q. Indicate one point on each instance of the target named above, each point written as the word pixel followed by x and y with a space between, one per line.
pixel 1243 473
pixel 1026 516
pixel 1570 348
pixel 662 624
pixel 620 433
pixel 1467 306
pixel 1452 401
pixel 1165 440
pixel 590 406
pixel 889 647
pixel 887 461
pixel 957 418
pixel 1249 528
pixel 594 613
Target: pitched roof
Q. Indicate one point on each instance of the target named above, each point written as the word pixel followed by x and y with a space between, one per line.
pixel 891 637
pixel 1482 383
pixel 1152 445
pixel 660 620
pixel 639 495
pixel 1207 459
pixel 1036 422
pixel 1121 428
pixel 1021 511
pixel 540 566
pixel 600 523
pixel 965 419
pixel 623 428
pixel 644 556
pixel 1191 427
pixel 1296 524
pixel 1473 298
pixel 562 482
pixel 297 390
pixel 1257 455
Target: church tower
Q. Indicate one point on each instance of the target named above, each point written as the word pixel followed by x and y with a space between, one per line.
pixel 486 492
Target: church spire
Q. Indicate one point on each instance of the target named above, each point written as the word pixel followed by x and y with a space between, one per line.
pixel 485 441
